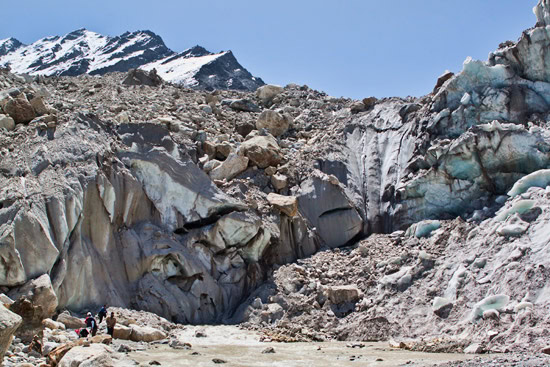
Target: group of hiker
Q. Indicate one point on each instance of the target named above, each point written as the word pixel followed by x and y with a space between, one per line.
pixel 92 324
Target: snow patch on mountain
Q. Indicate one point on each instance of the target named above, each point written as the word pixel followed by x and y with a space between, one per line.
pixel 181 70
pixel 55 55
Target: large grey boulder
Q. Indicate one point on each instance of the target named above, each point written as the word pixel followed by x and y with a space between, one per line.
pixel 231 167
pixel 266 93
pixel 7 122
pixel 263 151
pixel 70 322
pixel 275 123
pixel 39 106
pixel 328 209
pixel 9 322
pixel 19 109
pixel 146 334
pixel 34 302
pixel 94 355
pixel 122 332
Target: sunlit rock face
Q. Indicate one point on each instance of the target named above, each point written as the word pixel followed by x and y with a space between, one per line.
pixel 134 222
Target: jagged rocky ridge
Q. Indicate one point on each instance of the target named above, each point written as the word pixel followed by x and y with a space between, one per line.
pixel 162 199
pixel 86 52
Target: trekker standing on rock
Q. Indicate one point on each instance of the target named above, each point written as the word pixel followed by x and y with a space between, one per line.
pixel 102 313
pixel 91 323
pixel 111 322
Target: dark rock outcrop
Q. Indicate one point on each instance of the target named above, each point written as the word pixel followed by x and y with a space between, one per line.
pixel 141 77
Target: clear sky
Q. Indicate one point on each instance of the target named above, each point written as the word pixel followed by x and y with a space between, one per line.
pixel 351 48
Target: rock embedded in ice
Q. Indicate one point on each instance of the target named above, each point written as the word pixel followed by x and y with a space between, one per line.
pixel 440 302
pixel 496 302
pixel 491 314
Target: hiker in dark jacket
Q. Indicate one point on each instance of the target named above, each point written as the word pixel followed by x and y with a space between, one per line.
pixel 91 323
pixel 111 322
pixel 102 313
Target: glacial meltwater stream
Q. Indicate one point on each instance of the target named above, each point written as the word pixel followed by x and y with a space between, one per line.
pixel 238 347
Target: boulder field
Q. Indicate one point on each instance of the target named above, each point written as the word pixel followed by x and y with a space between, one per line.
pixel 189 204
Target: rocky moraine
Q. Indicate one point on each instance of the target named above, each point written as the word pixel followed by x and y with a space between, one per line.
pixel 418 222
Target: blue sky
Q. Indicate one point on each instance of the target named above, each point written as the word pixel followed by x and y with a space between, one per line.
pixel 351 48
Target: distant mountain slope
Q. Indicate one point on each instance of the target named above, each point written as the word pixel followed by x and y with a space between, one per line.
pixel 8 45
pixel 83 51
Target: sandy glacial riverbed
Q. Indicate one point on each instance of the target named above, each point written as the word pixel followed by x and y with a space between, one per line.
pixel 239 347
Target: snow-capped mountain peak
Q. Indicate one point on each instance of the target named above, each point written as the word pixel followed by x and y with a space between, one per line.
pixel 9 45
pixel 83 51
pixel 195 51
